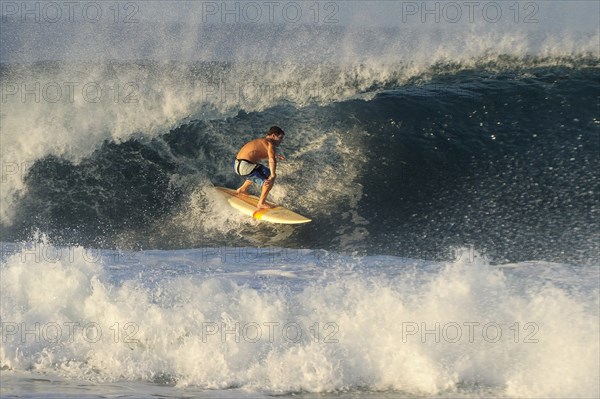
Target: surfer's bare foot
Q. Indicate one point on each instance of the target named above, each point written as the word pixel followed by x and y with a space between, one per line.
pixel 264 206
pixel 243 188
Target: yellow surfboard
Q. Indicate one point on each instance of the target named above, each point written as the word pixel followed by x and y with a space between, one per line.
pixel 246 204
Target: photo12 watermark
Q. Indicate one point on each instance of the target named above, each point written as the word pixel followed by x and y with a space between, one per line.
pixel 254 255
pixel 270 12
pixel 42 253
pixel 52 92
pixel 454 12
pixel 226 91
pixel 68 332
pixel 289 332
pixel 13 170
pixel 469 331
pixel 87 12
pixel 270 331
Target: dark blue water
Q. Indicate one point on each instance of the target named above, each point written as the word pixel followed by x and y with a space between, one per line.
pixel 504 160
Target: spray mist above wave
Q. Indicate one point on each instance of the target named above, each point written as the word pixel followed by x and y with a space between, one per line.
pixel 318 32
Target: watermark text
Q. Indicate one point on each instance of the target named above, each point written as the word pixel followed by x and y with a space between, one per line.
pixel 40 252
pixel 90 12
pixel 469 331
pixel 69 92
pixel 68 332
pixel 454 12
pixel 270 12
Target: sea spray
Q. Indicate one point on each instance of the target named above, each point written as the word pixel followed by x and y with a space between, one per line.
pixel 190 318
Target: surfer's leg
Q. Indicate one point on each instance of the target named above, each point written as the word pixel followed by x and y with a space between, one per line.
pixel 244 188
pixel 263 195
pixel 263 174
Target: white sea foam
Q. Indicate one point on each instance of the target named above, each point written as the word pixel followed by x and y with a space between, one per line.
pixel 219 318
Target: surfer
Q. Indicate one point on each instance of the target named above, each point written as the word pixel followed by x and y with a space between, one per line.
pixel 247 164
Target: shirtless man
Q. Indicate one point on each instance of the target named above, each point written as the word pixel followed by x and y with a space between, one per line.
pixel 247 164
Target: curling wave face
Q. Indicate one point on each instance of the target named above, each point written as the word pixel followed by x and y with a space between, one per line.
pixel 501 157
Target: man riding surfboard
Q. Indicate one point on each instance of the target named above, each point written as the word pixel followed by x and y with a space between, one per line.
pixel 247 164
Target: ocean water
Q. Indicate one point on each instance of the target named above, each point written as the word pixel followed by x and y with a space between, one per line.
pixel 448 154
pixel 248 322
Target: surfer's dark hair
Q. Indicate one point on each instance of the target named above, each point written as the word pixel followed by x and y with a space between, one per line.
pixel 276 130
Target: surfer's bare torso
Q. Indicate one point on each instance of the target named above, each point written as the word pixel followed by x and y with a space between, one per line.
pixel 255 150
